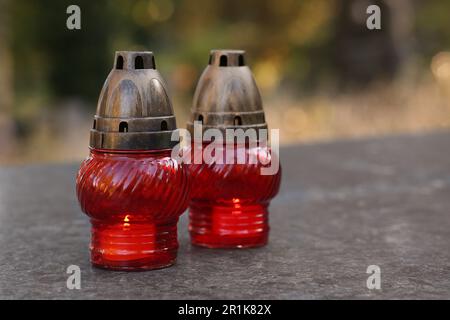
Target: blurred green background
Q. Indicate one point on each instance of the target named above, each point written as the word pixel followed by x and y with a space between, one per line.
pixel 322 74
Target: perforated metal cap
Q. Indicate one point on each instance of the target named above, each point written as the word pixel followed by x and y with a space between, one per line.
pixel 226 95
pixel 134 111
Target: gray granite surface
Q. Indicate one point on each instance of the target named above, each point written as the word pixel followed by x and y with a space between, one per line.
pixel 342 207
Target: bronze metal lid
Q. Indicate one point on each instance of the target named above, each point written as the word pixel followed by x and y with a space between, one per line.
pixel 134 111
pixel 226 96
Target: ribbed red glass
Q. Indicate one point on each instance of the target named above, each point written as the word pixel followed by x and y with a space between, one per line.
pixel 134 200
pixel 229 202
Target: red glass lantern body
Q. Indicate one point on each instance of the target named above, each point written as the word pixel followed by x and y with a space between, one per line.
pixel 134 200
pixel 229 202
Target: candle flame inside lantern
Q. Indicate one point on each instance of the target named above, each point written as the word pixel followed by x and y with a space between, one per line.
pixel 126 220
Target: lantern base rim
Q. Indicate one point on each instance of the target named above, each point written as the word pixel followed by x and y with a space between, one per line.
pixel 229 226
pixel 133 246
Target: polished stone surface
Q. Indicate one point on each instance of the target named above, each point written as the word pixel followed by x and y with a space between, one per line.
pixel 342 207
